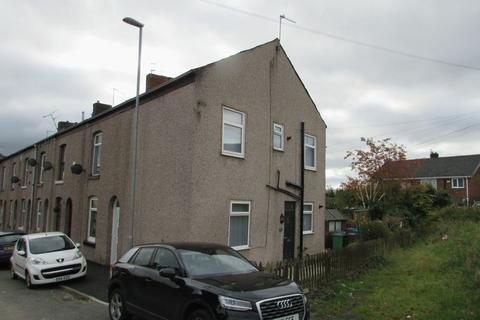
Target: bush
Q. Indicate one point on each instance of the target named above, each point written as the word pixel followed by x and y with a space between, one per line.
pixel 372 230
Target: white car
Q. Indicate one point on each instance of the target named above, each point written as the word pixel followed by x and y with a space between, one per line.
pixel 46 258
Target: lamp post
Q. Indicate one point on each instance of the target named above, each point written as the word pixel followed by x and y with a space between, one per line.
pixel 133 182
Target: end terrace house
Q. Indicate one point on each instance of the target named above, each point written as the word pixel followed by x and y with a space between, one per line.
pixel 219 159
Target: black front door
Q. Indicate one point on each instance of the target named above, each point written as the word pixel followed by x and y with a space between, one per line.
pixel 289 231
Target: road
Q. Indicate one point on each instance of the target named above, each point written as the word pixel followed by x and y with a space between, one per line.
pixel 44 303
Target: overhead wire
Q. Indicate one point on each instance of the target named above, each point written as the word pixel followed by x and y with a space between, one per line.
pixel 345 39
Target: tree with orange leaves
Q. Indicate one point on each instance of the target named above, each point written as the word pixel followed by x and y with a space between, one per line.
pixel 367 164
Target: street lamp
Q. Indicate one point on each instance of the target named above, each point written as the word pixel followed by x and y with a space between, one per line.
pixel 139 25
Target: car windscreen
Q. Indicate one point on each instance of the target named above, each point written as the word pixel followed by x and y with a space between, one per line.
pixel 203 262
pixel 50 244
pixel 9 238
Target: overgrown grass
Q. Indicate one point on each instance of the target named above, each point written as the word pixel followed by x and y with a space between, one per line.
pixel 434 279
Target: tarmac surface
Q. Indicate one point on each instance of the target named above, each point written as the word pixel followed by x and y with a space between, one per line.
pixel 50 302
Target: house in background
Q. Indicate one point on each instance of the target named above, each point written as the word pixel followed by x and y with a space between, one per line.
pixel 335 222
pixel 458 175
pixel 219 160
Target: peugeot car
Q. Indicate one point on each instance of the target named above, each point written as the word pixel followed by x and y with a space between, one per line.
pixel 47 257
pixel 199 281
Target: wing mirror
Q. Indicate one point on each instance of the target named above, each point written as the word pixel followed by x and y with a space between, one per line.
pixel 78 245
pixel 21 253
pixel 168 273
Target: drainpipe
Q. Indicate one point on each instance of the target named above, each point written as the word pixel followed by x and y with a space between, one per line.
pixel 33 192
pixel 302 185
pixel 468 195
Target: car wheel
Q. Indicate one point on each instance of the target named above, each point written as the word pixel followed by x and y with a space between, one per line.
pixel 13 275
pixel 116 306
pixel 28 280
pixel 199 315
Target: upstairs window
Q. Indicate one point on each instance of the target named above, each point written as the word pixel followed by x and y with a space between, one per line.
pixel 2 179
pixel 307 218
pixel 233 140
pixel 92 219
pixel 43 158
pixel 61 162
pixel 458 183
pixel 25 173
pixel 239 232
pixel 310 152
pixel 96 153
pixel 278 137
pixel 14 173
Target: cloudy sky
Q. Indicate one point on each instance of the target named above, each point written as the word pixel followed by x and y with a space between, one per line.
pixel 64 55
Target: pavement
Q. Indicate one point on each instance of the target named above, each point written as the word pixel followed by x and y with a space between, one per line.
pixel 49 302
pixel 95 284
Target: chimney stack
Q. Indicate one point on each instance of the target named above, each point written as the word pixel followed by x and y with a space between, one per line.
pixel 154 80
pixel 434 155
pixel 99 107
pixel 62 125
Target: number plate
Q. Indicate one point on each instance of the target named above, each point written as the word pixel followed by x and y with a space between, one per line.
pixel 292 317
pixel 8 248
pixel 63 278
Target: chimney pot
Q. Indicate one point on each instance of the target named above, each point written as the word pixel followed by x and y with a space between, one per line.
pixel 434 155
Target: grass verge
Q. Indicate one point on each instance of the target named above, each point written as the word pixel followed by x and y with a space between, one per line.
pixel 435 279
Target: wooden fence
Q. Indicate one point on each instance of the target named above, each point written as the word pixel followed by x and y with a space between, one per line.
pixel 313 270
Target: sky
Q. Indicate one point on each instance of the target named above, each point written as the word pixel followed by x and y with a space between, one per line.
pixel 407 69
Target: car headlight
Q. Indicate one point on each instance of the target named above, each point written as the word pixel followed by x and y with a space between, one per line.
pixel 234 304
pixel 78 255
pixel 36 260
pixel 305 300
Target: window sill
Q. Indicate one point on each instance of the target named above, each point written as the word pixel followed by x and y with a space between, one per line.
pixel 94 177
pixel 307 232
pixel 59 182
pixel 278 150
pixel 39 184
pixel 310 169
pixel 23 187
pixel 240 248
pixel 89 244
pixel 458 187
pixel 233 155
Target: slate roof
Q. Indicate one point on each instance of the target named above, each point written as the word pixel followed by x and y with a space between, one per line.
pixel 457 166
pixel 333 215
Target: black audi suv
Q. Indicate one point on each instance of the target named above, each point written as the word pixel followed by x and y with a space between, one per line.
pixel 199 281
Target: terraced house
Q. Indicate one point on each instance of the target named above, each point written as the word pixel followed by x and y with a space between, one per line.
pixel 220 152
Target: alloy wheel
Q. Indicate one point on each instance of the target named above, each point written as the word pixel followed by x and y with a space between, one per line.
pixel 116 306
pixel 13 275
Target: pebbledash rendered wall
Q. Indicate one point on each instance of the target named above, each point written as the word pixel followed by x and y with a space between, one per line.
pixel 185 184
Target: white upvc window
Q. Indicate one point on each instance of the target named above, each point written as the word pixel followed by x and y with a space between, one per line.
pixel 2 181
pixel 278 137
pixel 11 219
pixel 25 173
pixel 23 214
pixel 458 183
pixel 61 162
pixel 92 219
pixel 334 226
pixel 233 133
pixel 239 229
pixel 14 173
pixel 307 218
pixel 43 158
pixel 310 152
pixel 39 215
pixel 97 153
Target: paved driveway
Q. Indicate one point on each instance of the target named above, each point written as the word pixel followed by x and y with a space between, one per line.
pixel 44 303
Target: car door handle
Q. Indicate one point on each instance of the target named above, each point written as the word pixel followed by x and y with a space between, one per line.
pixel 148 280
